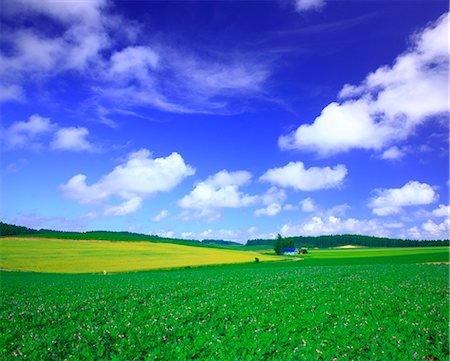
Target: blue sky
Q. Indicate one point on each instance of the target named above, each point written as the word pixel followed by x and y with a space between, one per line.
pixel 226 119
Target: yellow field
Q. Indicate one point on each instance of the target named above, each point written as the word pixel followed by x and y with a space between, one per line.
pixel 70 256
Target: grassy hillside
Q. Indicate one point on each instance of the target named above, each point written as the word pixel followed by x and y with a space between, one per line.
pixel 112 237
pixel 84 256
pixel 14 230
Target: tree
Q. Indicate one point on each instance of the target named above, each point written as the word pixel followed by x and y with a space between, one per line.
pixel 279 245
pixel 282 243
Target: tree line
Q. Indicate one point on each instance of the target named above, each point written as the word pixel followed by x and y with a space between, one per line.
pixel 345 239
pixel 13 230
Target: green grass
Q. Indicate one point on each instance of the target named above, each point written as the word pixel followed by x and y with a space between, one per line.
pixel 68 256
pixel 267 311
pixel 376 256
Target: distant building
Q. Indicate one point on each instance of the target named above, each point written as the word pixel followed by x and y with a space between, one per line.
pixel 291 251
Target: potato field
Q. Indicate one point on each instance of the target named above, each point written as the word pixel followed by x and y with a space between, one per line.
pixel 266 311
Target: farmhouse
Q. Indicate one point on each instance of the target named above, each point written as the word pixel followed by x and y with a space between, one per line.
pixel 291 251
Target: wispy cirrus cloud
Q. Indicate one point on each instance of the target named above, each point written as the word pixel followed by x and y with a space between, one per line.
pixel 128 69
pixel 308 5
pixel 160 216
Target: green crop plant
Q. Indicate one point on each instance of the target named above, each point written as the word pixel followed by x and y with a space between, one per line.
pixel 265 311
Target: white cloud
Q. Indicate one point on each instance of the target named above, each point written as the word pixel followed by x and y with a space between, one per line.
pixel 119 62
pixel 442 211
pixel 328 225
pixel 273 199
pixel 160 216
pixel 338 210
pixel 317 226
pixel 308 205
pixel 252 230
pixel 214 76
pixel 430 230
pixel 28 133
pixel 289 207
pixel 87 12
pixel 133 61
pixel 224 234
pixel 218 191
pixel 388 105
pixel 181 82
pixel 305 5
pixel 393 153
pixel 220 234
pixel 295 175
pixel 273 195
pixel 434 230
pixel 271 210
pixel 37 132
pixel 167 234
pixel 139 177
pixel 127 207
pixel 11 93
pixel 391 201
pixel 34 52
pixel 72 139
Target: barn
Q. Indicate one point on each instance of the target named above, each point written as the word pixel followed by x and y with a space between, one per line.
pixel 290 251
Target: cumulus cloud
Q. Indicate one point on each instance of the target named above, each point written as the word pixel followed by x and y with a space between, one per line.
pixel 393 153
pixel 434 230
pixel 317 226
pixel 72 139
pixel 139 177
pixel 327 225
pixel 35 133
pixel 29 133
pixel 306 5
pixel 271 210
pixel 127 207
pixel 442 211
pixel 222 234
pixel 160 216
pixel 296 176
pixel 391 201
pixel 388 105
pixel 218 191
pixel 273 199
pixel 308 205
pixel 430 230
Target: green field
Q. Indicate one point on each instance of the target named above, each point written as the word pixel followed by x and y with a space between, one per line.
pixel 265 311
pixel 83 256
pixel 69 256
pixel 337 304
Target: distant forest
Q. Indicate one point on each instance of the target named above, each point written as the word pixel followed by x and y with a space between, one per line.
pixel 299 241
pixel 13 230
pixel 345 239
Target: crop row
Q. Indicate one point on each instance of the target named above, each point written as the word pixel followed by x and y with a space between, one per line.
pixel 376 312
